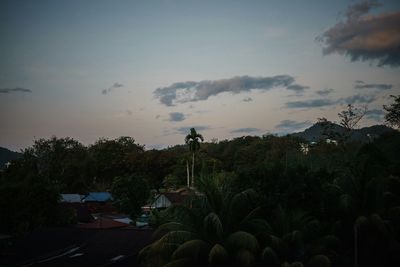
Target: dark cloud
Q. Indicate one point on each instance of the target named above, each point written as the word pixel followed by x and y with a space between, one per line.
pixel 176 116
pixel 314 103
pixel 246 130
pixel 190 91
pixel 291 126
pixel 247 99
pixel 375 114
pixel 16 89
pixel 379 86
pixel 357 10
pixel 186 130
pixel 325 92
pixel 365 37
pixel 297 88
pixel 111 88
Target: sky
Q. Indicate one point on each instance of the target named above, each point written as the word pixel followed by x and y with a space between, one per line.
pixel 154 69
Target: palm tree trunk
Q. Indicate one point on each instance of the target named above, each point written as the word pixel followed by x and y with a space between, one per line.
pixel 193 169
pixel 188 174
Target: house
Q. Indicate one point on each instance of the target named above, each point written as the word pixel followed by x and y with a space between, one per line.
pixel 98 197
pixel 99 202
pixel 167 199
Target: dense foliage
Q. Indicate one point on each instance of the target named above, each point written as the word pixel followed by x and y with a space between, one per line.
pixel 258 201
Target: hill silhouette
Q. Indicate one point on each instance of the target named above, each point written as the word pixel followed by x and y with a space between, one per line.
pixel 7 155
pixel 317 132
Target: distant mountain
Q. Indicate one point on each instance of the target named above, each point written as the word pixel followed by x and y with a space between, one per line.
pixel 316 132
pixel 7 155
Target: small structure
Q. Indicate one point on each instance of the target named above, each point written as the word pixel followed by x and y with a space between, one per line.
pixel 99 202
pixel 98 197
pixel 167 199
pixel 71 198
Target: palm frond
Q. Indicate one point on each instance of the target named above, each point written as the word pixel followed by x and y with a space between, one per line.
pixel 244 258
pixel 269 257
pixel 180 263
pixel 242 240
pixel 167 227
pixel 319 261
pixel 218 256
pixel 212 228
pixel 196 250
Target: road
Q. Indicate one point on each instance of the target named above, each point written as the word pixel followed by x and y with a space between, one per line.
pixel 78 247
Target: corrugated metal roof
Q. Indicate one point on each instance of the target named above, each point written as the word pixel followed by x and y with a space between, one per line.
pixel 71 198
pixel 98 196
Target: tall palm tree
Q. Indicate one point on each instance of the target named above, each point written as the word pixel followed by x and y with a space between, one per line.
pixel 193 141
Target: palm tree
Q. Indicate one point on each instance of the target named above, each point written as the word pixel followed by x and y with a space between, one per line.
pixel 192 140
pixel 219 229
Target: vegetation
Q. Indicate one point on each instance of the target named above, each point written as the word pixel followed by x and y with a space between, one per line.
pixel 257 201
pixel 393 112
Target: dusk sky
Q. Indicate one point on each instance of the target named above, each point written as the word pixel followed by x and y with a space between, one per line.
pixel 152 69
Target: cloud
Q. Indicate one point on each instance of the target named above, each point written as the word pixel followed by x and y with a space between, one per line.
pixel 297 88
pixel 246 130
pixel 365 37
pixel 247 99
pixel 314 103
pixel 324 102
pixel 357 10
pixel 183 92
pixel 186 130
pixel 111 88
pixel 379 86
pixel 360 99
pixel 16 89
pixel 176 116
pixel 291 126
pixel 325 92
pixel 375 114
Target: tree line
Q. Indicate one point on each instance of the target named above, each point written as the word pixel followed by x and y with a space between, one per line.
pixel 257 201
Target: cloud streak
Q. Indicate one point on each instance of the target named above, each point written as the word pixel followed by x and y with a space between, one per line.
pixel 378 86
pixel 325 102
pixel 364 37
pixel 297 88
pixel 183 92
pixel 176 116
pixel 14 90
pixel 111 88
pixel 186 130
pixel 247 99
pixel 246 130
pixel 291 126
pixel 375 114
pixel 324 92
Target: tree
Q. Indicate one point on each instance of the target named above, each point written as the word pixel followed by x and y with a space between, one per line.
pixel 192 140
pixel 217 230
pixel 63 161
pixel 130 193
pixel 350 117
pixel 393 112
pixel 116 157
